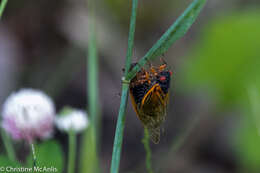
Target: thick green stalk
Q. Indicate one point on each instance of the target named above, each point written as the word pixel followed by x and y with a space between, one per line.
pixel 72 152
pixel 254 100
pixel 2 7
pixel 92 66
pixel 146 142
pixel 124 95
pixel 8 145
pixel 89 159
pixel 176 31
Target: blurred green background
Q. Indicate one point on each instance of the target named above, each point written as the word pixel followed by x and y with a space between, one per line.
pixel 216 80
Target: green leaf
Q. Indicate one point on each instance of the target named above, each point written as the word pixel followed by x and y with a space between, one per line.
pixel 48 154
pixel 5 161
pixel 2 7
pixel 247 138
pixel 175 32
pixel 247 142
pixel 226 58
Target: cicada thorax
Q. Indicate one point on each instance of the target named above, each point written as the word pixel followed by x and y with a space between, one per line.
pixel 149 95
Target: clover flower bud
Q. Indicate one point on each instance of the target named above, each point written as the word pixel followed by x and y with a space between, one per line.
pixel 72 119
pixel 28 114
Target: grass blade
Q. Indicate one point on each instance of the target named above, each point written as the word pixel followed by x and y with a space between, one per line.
pixel 125 87
pixel 90 143
pixel 2 7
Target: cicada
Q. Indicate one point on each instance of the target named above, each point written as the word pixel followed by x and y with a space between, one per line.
pixel 149 91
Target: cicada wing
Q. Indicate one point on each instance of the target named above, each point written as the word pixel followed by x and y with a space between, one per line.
pixel 154 134
pixel 153 111
pixel 134 103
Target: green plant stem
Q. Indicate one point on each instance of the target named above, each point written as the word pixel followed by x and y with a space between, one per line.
pixel 124 95
pixel 92 65
pixel 146 142
pixel 33 155
pixel 89 159
pixel 72 152
pixel 8 145
pixel 254 100
pixel 2 7
pixel 119 130
pixel 176 31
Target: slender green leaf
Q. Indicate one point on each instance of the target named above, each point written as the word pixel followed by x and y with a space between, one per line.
pixel 89 157
pixel 2 7
pixel 8 145
pixel 125 86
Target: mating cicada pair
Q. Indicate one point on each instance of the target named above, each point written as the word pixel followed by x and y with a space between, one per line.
pixel 149 94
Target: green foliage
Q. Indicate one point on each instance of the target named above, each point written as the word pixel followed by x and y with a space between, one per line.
pixel 2 7
pixel 8 145
pixel 225 62
pixel 247 142
pixel 247 137
pixel 226 58
pixel 48 154
pixel 5 161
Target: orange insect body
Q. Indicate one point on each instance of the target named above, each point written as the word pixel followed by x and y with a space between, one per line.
pixel 149 94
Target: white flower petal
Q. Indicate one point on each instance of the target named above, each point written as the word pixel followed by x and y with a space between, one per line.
pixel 27 114
pixel 75 120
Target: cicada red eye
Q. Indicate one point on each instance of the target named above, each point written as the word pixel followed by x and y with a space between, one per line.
pixel 162 78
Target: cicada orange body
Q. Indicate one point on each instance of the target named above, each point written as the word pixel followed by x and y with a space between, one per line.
pixel 149 91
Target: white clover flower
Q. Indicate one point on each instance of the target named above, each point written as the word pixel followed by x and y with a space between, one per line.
pixel 74 119
pixel 28 114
